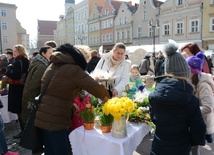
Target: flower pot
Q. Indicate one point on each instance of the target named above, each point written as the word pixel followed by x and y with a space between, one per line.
pixel 88 126
pixel 106 129
pixel 119 128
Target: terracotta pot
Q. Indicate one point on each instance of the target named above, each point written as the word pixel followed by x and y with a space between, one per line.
pixel 88 126
pixel 106 129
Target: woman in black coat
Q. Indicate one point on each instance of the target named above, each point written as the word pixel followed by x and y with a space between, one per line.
pixel 15 71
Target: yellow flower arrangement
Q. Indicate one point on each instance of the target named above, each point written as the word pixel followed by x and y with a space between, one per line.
pixel 118 107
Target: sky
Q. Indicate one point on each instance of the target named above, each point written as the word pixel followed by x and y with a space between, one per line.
pixel 29 11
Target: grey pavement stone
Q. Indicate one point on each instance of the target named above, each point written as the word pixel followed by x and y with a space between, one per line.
pixel 12 129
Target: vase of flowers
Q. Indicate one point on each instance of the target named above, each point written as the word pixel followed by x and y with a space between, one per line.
pixel 88 117
pixel 119 108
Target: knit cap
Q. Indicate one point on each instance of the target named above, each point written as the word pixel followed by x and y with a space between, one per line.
pixel 196 63
pixel 175 63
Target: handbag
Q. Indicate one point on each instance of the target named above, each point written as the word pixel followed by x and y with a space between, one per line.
pixel 32 137
pixel 21 81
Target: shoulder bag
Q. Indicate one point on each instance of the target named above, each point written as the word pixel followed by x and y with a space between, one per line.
pixel 32 137
pixel 21 81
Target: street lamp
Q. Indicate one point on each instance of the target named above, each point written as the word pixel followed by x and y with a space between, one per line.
pixel 81 38
pixel 153 24
pixel 0 37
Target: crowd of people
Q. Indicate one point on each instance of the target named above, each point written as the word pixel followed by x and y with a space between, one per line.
pixel 181 106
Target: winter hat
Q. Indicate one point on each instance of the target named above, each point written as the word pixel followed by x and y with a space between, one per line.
pixel 175 63
pixel 196 63
pixel 75 53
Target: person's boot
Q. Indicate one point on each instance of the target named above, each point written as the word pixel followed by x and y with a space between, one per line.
pixel 209 138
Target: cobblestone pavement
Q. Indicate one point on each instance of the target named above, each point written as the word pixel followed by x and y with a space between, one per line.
pixel 12 129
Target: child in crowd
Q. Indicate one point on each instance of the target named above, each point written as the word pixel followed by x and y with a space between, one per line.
pixel 82 101
pixel 204 88
pixel 135 81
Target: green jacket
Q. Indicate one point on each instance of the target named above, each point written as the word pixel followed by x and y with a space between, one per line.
pixel 32 85
pixel 54 112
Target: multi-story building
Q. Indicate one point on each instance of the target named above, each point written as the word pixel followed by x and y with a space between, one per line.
pixel 123 23
pixel 94 27
pixel 64 32
pixel 108 14
pixel 60 32
pixel 69 17
pixel 8 29
pixel 22 36
pixel 208 25
pixel 180 20
pixel 45 32
pixel 81 23
pixel 146 22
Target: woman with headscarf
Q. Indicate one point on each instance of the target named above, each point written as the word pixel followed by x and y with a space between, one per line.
pixel 66 77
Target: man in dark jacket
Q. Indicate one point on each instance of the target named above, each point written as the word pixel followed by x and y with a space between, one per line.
pixel 93 61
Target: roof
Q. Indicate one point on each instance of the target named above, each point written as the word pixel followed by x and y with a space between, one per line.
pixel 46 27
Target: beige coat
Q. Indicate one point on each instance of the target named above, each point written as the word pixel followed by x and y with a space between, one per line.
pixel 204 91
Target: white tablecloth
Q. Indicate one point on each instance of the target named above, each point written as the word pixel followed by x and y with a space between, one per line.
pixel 94 142
pixel 6 115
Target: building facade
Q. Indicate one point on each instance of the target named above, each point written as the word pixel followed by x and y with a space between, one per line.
pixel 123 23
pixel 8 27
pixel 208 25
pixel 81 23
pixel 180 20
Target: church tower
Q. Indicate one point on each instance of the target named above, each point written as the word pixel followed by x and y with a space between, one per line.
pixel 68 4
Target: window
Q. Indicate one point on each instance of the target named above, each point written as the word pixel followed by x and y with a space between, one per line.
pixel 110 23
pixel 123 35
pixel 212 24
pixel 166 30
pixel 107 38
pixel 125 20
pixel 4 26
pixel 144 2
pixel 139 32
pixel 3 13
pixel 128 34
pixel 194 26
pixel 103 24
pixel 103 38
pixel 144 15
pixel 98 39
pixel 150 31
pixel 94 16
pixel 180 2
pixel 110 37
pixel 106 24
pixel 118 35
pixel 120 21
pixel 179 28
pixel 5 39
pixel 106 12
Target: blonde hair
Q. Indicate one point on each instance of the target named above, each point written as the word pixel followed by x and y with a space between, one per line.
pixel 22 50
pixel 85 50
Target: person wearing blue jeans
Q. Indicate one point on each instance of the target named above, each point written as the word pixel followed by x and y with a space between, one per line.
pixel 3 143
